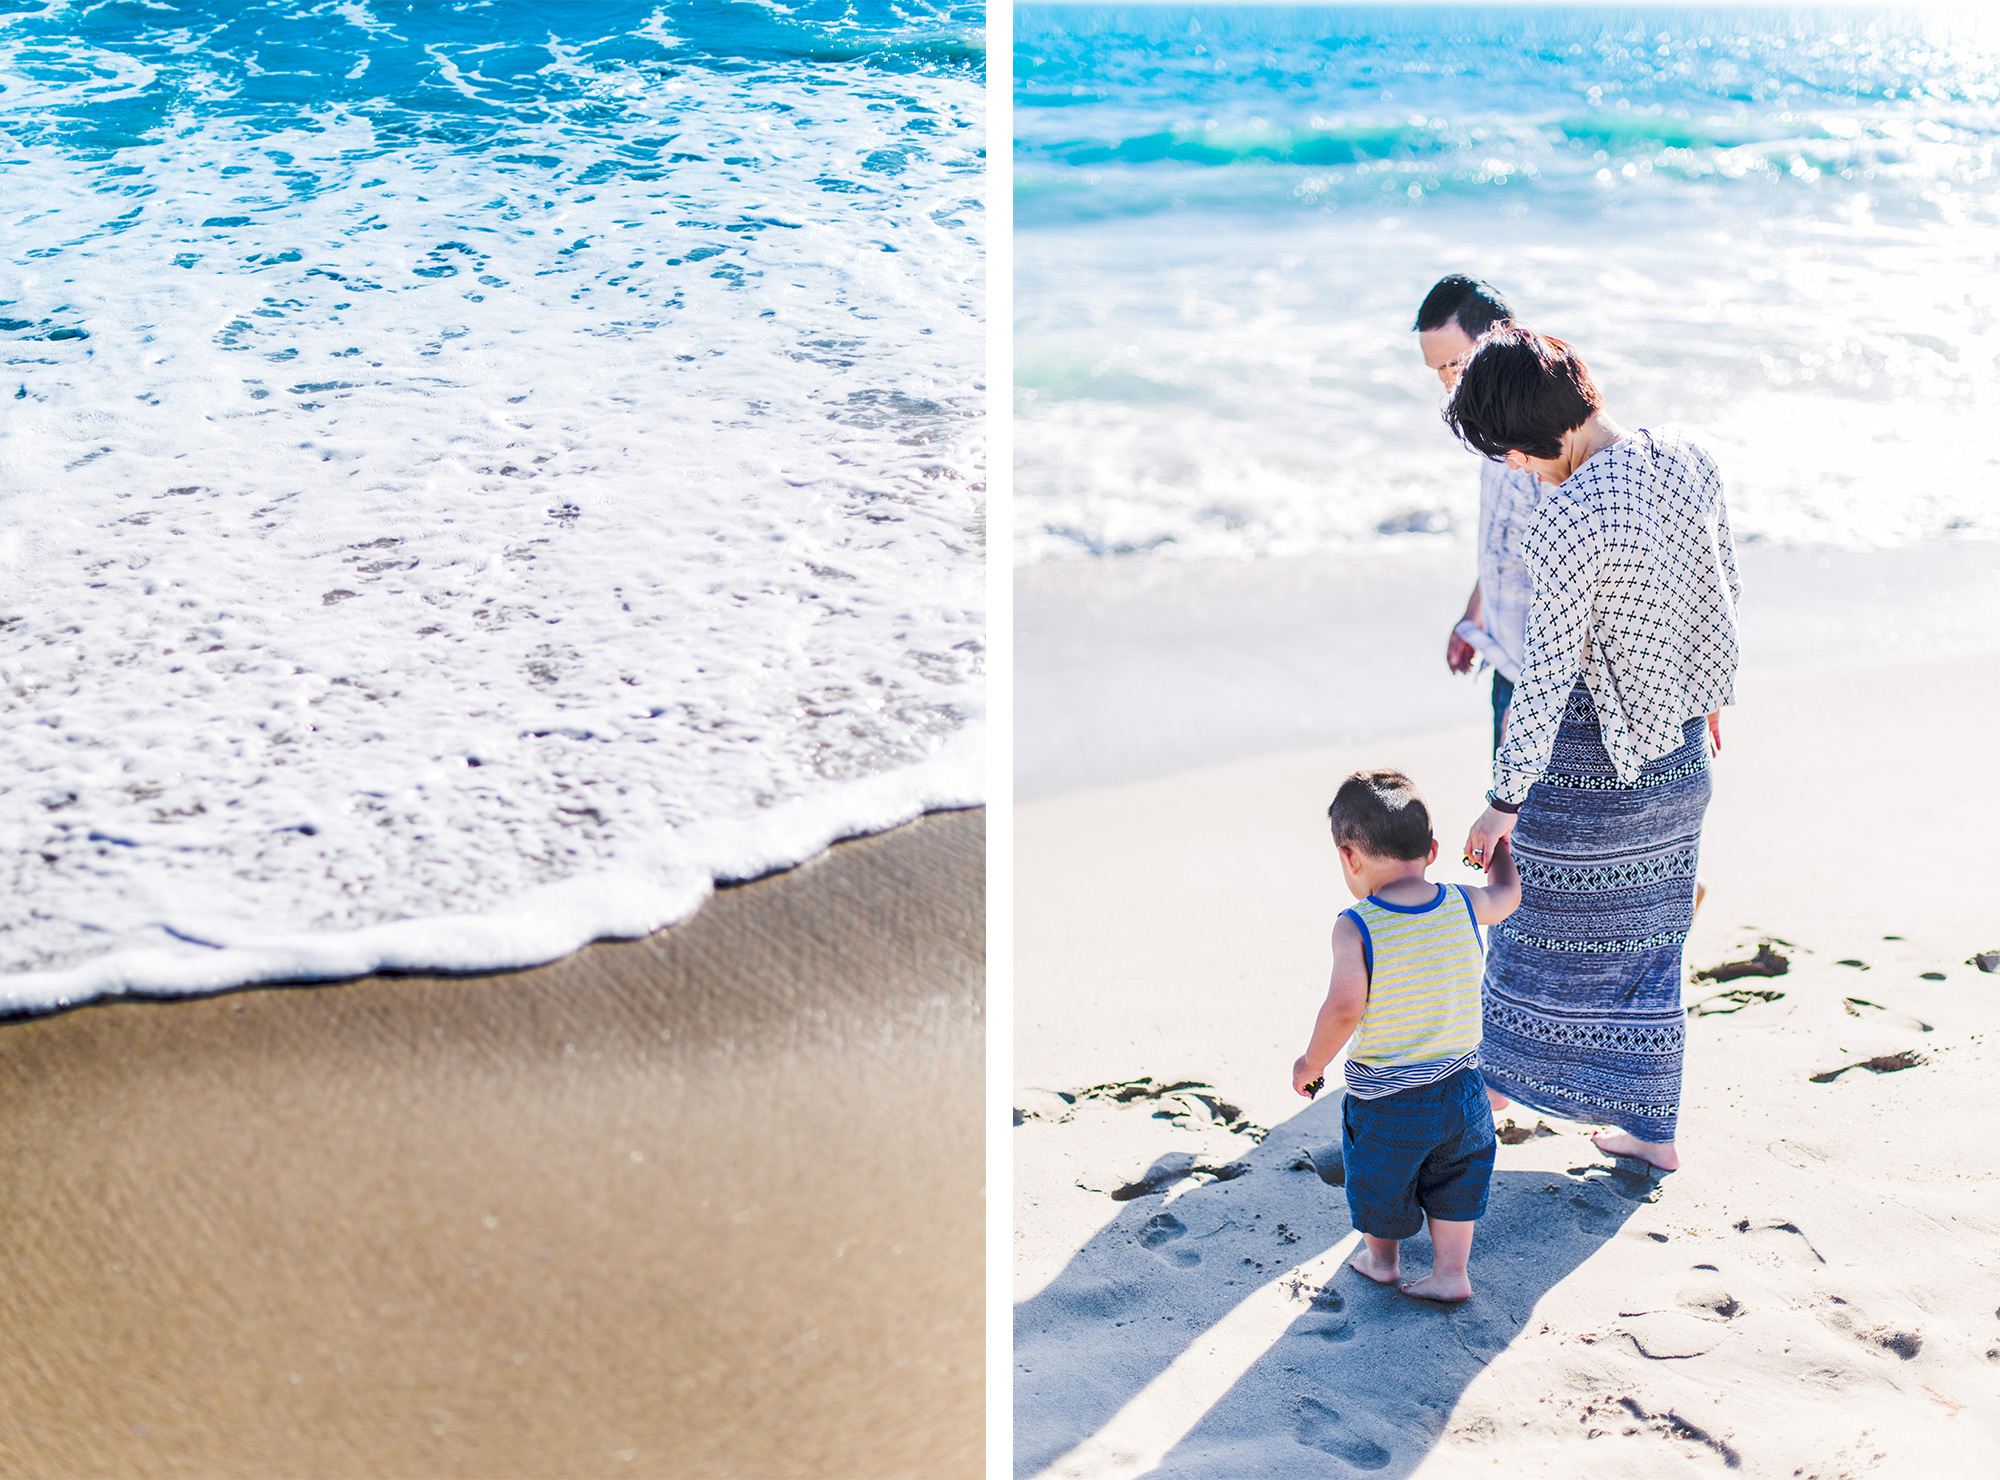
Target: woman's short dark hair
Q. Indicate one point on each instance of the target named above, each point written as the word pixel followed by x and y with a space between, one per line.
pixel 1519 391
pixel 1477 306
pixel 1381 813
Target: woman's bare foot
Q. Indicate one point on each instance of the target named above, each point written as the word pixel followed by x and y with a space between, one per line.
pixel 1445 1289
pixel 1367 1261
pixel 1660 1154
pixel 1497 1100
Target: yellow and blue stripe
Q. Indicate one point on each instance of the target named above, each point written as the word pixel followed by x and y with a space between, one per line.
pixel 1425 964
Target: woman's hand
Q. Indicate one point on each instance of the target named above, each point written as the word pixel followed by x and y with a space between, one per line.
pixel 1715 733
pixel 1459 655
pixel 1492 826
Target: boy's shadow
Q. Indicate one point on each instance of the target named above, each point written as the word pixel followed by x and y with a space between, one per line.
pixel 1364 1377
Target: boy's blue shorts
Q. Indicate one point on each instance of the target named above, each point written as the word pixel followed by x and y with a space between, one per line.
pixel 1425 1150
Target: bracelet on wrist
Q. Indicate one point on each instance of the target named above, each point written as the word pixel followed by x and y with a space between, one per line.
pixel 1499 806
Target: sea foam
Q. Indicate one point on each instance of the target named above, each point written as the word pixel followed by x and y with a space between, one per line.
pixel 468 494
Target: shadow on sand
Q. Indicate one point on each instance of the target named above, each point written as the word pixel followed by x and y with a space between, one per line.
pixel 1362 1379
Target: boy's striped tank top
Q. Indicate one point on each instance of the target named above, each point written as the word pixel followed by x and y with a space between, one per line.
pixel 1425 965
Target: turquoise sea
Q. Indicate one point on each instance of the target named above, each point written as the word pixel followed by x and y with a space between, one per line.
pixel 1775 227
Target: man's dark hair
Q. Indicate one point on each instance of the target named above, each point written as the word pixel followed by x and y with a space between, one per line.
pixel 1477 306
pixel 1520 391
pixel 1379 812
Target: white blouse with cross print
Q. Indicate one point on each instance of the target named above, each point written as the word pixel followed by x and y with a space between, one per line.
pixel 1636 591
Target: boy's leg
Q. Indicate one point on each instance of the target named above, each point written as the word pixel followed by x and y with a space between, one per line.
pixel 1377 1258
pixel 1452 1188
pixel 1381 1172
pixel 1451 1249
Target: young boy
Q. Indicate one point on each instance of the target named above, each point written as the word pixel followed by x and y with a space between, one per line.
pixel 1416 1130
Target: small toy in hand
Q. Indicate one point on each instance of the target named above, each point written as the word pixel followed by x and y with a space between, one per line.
pixel 1313 1089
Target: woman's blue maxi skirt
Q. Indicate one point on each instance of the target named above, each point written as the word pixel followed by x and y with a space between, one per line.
pixel 1583 981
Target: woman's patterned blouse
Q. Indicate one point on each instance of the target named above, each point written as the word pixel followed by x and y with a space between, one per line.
pixel 1636 590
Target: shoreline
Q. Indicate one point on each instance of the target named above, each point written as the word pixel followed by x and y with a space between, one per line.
pixel 536 927
pixel 700 1204
pixel 1139 667
pixel 1181 1301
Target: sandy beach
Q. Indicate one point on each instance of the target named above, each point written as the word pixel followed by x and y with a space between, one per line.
pixel 701 1205
pixel 1815 1294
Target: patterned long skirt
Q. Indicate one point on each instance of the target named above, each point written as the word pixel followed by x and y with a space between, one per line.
pixel 1583 981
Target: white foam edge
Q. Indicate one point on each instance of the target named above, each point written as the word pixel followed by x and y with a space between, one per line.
pixel 542 924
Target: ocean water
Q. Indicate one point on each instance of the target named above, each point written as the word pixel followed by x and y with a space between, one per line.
pixel 472 474
pixel 1775 228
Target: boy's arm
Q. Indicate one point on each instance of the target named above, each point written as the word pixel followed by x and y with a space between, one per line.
pixel 1500 896
pixel 1346 1000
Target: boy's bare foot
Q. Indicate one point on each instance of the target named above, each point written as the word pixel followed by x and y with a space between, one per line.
pixel 1381 1271
pixel 1445 1289
pixel 1497 1100
pixel 1660 1154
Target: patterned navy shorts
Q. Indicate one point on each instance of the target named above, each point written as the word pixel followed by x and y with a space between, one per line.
pixel 1425 1150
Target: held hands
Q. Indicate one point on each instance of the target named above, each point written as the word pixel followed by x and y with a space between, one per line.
pixel 1459 654
pixel 1488 837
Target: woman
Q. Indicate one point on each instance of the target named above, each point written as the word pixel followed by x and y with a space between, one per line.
pixel 1602 778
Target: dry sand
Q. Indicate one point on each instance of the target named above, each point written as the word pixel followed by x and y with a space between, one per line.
pixel 1815 1294
pixel 706 1204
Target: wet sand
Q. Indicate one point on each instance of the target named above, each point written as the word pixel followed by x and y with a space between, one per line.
pixel 701 1205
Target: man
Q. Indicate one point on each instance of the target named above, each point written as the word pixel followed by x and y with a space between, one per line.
pixel 1495 626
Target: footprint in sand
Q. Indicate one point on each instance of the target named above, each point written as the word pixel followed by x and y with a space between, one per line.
pixel 1594 1217
pixel 1330 1331
pixel 1797 1154
pixel 1319 1427
pixel 1874 1012
pixel 1671 1335
pixel 1708 1298
pixel 1162 1234
pixel 1784 1240
pixel 1329 1303
pixel 1849 1321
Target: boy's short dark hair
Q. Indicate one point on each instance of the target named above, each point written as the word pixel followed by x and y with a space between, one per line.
pixel 1520 391
pixel 1477 306
pixel 1380 812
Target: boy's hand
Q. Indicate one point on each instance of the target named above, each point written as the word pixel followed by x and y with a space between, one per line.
pixel 1500 895
pixel 1303 1074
